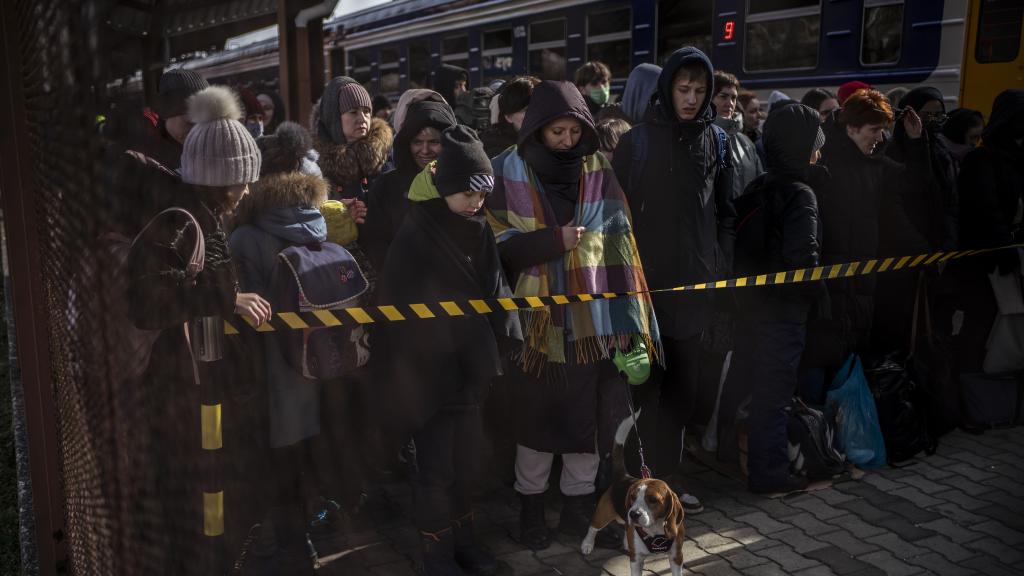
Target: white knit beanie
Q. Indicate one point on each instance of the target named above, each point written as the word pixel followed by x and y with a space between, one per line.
pixel 218 151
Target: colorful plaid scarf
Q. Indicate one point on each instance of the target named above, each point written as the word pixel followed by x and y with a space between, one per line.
pixel 606 260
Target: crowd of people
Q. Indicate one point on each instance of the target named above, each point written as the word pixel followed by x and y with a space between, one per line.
pixel 555 189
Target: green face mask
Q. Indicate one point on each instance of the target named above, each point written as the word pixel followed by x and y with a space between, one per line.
pixel 600 95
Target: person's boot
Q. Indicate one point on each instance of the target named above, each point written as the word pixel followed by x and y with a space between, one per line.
pixel 473 558
pixel 533 528
pixel 438 551
pixel 577 511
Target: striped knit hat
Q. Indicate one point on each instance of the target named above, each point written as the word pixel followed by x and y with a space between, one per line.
pixel 218 151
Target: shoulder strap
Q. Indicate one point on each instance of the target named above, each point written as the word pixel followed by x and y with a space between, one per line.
pixel 195 262
pixel 722 148
pixel 639 141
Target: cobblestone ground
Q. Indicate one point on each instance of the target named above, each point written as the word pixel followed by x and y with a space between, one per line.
pixel 960 511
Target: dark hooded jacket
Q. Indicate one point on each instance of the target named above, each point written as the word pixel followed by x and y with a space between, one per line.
pixel 444 84
pixel 933 207
pixel 992 179
pixel 789 212
pixel 435 256
pixel 387 200
pixel 682 211
pixel 558 172
pixel 991 215
pixel 349 167
pixel 641 87
pixel 863 217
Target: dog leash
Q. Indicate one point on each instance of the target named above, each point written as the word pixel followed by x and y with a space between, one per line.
pixel 645 472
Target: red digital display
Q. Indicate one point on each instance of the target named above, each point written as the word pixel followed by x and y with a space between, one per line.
pixel 730 28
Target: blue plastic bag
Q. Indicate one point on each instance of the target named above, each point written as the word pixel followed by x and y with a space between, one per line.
pixel 850 404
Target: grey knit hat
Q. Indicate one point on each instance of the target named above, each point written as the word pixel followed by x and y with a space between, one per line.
pixel 218 151
pixel 175 88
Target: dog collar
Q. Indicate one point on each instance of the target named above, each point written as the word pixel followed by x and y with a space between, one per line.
pixel 655 543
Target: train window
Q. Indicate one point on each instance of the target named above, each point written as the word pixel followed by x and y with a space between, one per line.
pixel 999 25
pixel 781 35
pixel 455 45
pixel 882 37
pixel 419 64
pixel 683 24
pixel 547 31
pixel 498 40
pixel 388 57
pixel 497 58
pixel 359 67
pixel 390 78
pixel 547 49
pixel 762 6
pixel 609 39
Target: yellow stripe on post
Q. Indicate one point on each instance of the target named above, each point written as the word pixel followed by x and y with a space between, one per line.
pixel 213 513
pixel 265 327
pixel 359 315
pixel 560 299
pixel 722 284
pixel 480 306
pixel 209 417
pixel 885 264
pixel 798 276
pixel 452 309
pixel 918 260
pixel 327 318
pixel 780 277
pixel 741 282
pixel 816 273
pixel 229 329
pixel 292 320
pixel 870 265
pixel 609 295
pixel 852 270
pixel 585 297
pixel 422 311
pixel 760 280
pixel 902 262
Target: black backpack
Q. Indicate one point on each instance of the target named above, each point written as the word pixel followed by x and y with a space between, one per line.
pixel 474 108
pixel 814 443
pixel 902 404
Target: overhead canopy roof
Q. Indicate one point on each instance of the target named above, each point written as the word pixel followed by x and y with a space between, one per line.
pixel 181 26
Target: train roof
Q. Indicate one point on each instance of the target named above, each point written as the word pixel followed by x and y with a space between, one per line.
pixel 400 11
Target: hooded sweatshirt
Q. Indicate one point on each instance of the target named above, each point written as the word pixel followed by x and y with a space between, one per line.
pixel 641 86
pixel 387 200
pixel 681 204
pixel 444 81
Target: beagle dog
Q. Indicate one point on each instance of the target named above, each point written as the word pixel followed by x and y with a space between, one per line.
pixel 651 511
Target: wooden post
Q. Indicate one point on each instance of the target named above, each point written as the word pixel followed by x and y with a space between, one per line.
pixel 301 57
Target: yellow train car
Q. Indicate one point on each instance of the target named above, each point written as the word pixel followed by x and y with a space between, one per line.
pixel 993 53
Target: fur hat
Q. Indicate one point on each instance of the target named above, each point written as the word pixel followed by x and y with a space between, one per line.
pixel 218 151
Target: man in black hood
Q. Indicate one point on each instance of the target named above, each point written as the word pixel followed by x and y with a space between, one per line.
pixel 678 185
pixel 452 83
pixel 417 144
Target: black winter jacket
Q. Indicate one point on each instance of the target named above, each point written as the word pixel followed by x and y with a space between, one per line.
pixel 387 200
pixel 683 216
pixel 863 217
pixel 791 227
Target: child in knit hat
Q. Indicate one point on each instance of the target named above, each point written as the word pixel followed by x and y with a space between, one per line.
pixel 440 371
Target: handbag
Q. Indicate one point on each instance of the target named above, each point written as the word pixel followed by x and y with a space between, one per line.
pixel 635 364
pixel 1004 350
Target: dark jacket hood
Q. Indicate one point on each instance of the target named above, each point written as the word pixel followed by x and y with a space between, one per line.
pixel 788 137
pixel 641 86
pixel 920 96
pixel 326 118
pixel 1006 112
pixel 444 80
pixel 420 115
pixel 672 65
pixel 552 100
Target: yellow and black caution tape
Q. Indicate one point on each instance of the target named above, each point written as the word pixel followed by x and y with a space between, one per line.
pixel 454 308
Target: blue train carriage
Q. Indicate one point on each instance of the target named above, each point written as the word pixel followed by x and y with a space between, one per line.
pixel 792 45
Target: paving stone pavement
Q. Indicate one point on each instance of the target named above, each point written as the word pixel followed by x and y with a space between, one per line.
pixel 959 511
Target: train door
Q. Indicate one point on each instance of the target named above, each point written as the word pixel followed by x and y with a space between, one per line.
pixel 992 54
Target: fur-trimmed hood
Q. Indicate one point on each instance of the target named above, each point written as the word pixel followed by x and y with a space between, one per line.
pixel 365 158
pixel 284 190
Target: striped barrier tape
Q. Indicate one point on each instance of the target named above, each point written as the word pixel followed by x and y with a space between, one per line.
pixel 455 308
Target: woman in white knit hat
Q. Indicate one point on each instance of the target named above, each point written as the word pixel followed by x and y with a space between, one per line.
pixel 219 161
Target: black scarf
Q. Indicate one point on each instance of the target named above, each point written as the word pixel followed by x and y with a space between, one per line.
pixel 559 173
